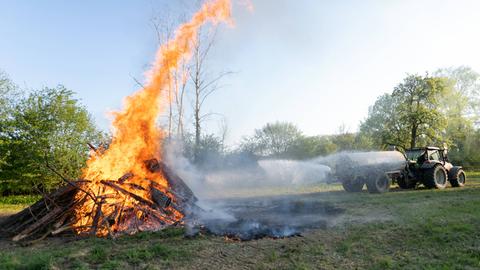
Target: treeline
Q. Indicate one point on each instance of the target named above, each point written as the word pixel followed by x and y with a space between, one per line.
pixel 439 109
pixel 442 109
pixel 46 132
pixel 42 132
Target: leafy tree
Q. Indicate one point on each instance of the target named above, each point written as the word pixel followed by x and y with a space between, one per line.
pixel 306 147
pixel 46 125
pixel 383 125
pixel 418 106
pixel 363 143
pixel 344 141
pixel 466 94
pixel 210 147
pixel 468 155
pixel 272 140
pixel 410 114
pixel 8 97
pixel 285 140
pixel 461 107
pixel 8 92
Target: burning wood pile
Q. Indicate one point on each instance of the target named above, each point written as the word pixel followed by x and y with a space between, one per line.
pixel 125 190
pixel 117 206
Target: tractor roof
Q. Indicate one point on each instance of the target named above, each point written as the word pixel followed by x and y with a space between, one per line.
pixel 424 148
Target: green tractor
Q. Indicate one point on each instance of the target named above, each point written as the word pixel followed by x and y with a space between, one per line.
pixel 378 170
pixel 430 166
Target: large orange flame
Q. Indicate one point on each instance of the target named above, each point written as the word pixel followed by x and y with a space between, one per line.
pixel 137 137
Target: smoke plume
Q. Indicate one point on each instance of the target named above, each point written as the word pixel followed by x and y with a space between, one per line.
pixel 251 216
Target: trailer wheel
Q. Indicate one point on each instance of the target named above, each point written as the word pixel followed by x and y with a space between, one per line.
pixel 435 177
pixel 459 179
pixel 379 183
pixel 354 185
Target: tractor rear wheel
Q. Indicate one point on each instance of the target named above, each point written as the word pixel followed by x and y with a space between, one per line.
pixel 459 179
pixel 355 185
pixel 379 183
pixel 435 177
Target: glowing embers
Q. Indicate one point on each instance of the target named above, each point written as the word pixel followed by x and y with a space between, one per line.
pixel 131 204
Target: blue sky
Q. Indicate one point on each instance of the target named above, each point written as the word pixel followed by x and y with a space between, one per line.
pixel 318 64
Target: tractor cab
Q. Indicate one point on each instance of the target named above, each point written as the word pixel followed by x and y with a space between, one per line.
pixel 425 157
pixel 430 164
pixel 426 154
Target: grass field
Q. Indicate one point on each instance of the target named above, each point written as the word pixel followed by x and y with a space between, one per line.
pixel 12 204
pixel 421 229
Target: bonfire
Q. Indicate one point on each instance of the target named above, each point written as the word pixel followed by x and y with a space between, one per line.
pixel 125 188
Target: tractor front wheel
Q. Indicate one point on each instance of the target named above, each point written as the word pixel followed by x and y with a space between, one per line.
pixel 435 177
pixel 459 179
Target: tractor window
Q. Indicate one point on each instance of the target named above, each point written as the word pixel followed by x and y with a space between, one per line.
pixel 434 155
pixel 414 154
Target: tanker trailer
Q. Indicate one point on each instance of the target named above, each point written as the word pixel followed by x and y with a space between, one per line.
pixel 376 170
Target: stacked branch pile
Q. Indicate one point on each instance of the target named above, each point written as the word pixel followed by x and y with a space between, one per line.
pixel 54 214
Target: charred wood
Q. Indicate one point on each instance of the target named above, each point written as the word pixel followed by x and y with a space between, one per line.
pixel 184 195
pixel 128 193
pixel 160 198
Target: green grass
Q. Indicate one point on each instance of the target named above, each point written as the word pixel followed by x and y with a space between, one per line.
pixel 473 174
pixel 421 229
pixel 12 204
pixel 19 199
pixel 126 252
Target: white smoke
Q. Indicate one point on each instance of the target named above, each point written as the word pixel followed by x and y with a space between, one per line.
pixel 291 172
pixel 390 159
pixel 279 216
pixel 247 174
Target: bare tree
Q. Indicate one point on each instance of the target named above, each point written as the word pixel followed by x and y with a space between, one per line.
pixel 163 31
pixel 181 80
pixel 223 127
pixel 191 77
pixel 164 28
pixel 203 84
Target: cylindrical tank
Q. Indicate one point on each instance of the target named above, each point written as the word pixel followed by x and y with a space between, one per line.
pixel 352 163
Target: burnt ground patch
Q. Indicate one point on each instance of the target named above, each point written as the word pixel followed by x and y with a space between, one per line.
pixel 258 217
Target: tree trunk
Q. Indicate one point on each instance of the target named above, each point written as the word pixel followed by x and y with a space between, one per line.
pixel 170 112
pixel 198 85
pixel 413 140
pixel 197 134
pixel 180 89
